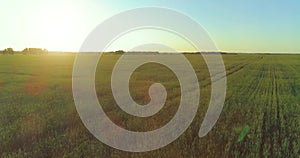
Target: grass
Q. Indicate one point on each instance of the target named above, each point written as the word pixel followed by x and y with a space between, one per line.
pixel 38 116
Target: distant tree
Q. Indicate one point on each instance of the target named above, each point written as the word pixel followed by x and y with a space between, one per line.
pixel 8 51
pixel 119 52
pixel 34 51
pixel 25 51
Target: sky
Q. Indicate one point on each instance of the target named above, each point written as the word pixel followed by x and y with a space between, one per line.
pixel 234 25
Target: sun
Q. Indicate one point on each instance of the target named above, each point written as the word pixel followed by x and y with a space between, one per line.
pixel 55 27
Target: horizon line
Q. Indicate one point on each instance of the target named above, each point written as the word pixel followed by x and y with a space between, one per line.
pixel 166 52
pixel 157 51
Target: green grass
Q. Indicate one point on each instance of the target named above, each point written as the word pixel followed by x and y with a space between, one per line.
pixel 38 116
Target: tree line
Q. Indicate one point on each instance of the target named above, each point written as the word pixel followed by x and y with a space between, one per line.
pixel 26 51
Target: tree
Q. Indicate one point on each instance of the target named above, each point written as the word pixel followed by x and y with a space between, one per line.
pixel 119 52
pixel 8 51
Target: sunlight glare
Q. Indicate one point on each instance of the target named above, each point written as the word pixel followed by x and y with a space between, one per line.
pixel 56 27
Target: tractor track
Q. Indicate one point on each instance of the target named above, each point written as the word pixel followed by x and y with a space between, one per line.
pixel 278 113
pixel 264 135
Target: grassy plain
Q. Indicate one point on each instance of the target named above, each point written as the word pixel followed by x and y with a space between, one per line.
pixel 38 116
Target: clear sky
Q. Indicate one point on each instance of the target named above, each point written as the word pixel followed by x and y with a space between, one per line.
pixel 234 25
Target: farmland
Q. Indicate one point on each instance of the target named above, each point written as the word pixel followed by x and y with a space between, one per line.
pixel 38 117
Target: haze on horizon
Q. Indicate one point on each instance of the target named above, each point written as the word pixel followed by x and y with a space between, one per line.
pixel 235 26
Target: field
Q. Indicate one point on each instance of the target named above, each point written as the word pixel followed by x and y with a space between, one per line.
pixel 260 118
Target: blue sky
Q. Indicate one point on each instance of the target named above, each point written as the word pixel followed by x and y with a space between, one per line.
pixel 238 26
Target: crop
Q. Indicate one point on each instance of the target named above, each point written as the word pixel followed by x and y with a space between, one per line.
pixel 261 115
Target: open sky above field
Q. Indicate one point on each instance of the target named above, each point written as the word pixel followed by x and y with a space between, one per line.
pixel 235 26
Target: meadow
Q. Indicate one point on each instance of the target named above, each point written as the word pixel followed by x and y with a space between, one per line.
pixel 260 118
